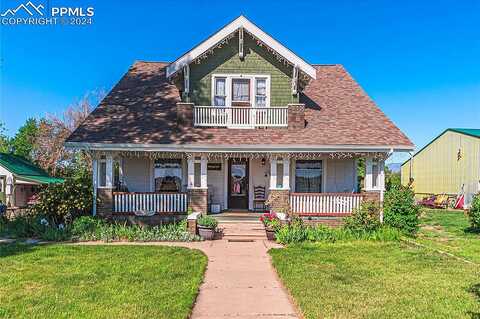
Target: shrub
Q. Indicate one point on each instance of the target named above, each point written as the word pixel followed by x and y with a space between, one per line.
pixel 298 232
pixel 207 221
pixel 90 228
pixel 294 232
pixel 365 218
pixel 61 203
pixel 85 224
pixel 400 210
pixel 35 226
pixel 474 213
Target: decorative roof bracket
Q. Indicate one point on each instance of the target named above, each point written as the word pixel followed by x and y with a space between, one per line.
pixel 186 78
pixel 240 43
pixel 295 80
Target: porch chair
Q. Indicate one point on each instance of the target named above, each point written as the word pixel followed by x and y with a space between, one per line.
pixel 259 198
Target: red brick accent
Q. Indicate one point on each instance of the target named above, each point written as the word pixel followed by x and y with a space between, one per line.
pixel 192 226
pixel 332 222
pixel 373 196
pixel 105 205
pixel 296 116
pixel 198 200
pixel 185 115
pixel 279 201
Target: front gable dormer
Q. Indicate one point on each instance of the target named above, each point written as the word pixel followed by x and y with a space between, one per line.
pixel 240 65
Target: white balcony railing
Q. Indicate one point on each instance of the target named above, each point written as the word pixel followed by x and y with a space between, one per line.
pixel 337 204
pixel 240 117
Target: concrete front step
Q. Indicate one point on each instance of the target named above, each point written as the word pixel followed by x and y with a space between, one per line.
pixel 243 231
pixel 244 234
pixel 238 221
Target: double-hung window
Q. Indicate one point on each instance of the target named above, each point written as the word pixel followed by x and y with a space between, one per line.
pixel 220 92
pixel 102 172
pixel 308 176
pixel 168 175
pixel 260 92
pixel 241 92
pixel 375 174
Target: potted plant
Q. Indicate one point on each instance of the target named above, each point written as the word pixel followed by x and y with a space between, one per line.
pixel 207 226
pixel 271 223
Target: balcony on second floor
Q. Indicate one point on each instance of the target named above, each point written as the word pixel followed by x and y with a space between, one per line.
pixel 291 116
pixel 240 117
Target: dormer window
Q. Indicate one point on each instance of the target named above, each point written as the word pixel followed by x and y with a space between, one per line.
pixel 241 90
pixel 220 95
pixel 260 92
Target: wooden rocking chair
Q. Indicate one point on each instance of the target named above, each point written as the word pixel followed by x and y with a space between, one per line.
pixel 259 198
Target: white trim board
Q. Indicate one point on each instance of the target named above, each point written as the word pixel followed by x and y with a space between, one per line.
pixel 264 148
pixel 240 22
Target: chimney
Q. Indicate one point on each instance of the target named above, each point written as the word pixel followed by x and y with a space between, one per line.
pixel 296 116
pixel 184 114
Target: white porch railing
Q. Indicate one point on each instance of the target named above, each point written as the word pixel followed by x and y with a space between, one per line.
pixel 240 117
pixel 150 202
pixel 324 203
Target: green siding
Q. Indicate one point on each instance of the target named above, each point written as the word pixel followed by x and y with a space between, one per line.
pixel 257 60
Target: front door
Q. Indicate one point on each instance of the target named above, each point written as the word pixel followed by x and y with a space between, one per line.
pixel 238 184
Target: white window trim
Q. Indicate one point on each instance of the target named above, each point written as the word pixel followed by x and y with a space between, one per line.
pixel 214 87
pixel 228 87
pixel 99 175
pixel 203 172
pixel 108 160
pixel 323 181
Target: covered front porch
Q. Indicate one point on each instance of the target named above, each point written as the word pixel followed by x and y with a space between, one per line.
pixel 174 183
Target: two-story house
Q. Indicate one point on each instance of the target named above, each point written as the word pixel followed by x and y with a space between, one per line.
pixel 236 116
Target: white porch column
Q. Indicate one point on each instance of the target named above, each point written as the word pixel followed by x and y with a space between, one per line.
pixel 109 177
pixel 381 184
pixel 368 174
pixel 190 172
pixel 286 173
pixel 95 185
pixel 203 172
pixel 381 175
pixel 273 173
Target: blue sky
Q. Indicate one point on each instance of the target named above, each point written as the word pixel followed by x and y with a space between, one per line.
pixel 419 60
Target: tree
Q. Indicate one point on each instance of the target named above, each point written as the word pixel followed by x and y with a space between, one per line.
pixel 54 130
pixel 391 178
pixel 23 143
pixel 4 140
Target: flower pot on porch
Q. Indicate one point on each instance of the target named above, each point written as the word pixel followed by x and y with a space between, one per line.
pixel 270 233
pixel 206 233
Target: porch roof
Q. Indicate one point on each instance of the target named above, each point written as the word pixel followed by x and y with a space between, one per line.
pixel 141 110
pixel 26 171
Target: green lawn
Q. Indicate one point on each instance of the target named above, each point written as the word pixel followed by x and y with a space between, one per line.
pixel 449 231
pixel 65 281
pixel 378 280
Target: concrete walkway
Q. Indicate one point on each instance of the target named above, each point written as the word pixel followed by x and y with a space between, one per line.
pixel 240 282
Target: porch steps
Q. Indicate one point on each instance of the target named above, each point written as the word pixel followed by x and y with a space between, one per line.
pixel 240 217
pixel 240 231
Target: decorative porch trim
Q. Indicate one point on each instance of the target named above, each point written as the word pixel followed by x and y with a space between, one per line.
pixel 243 155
